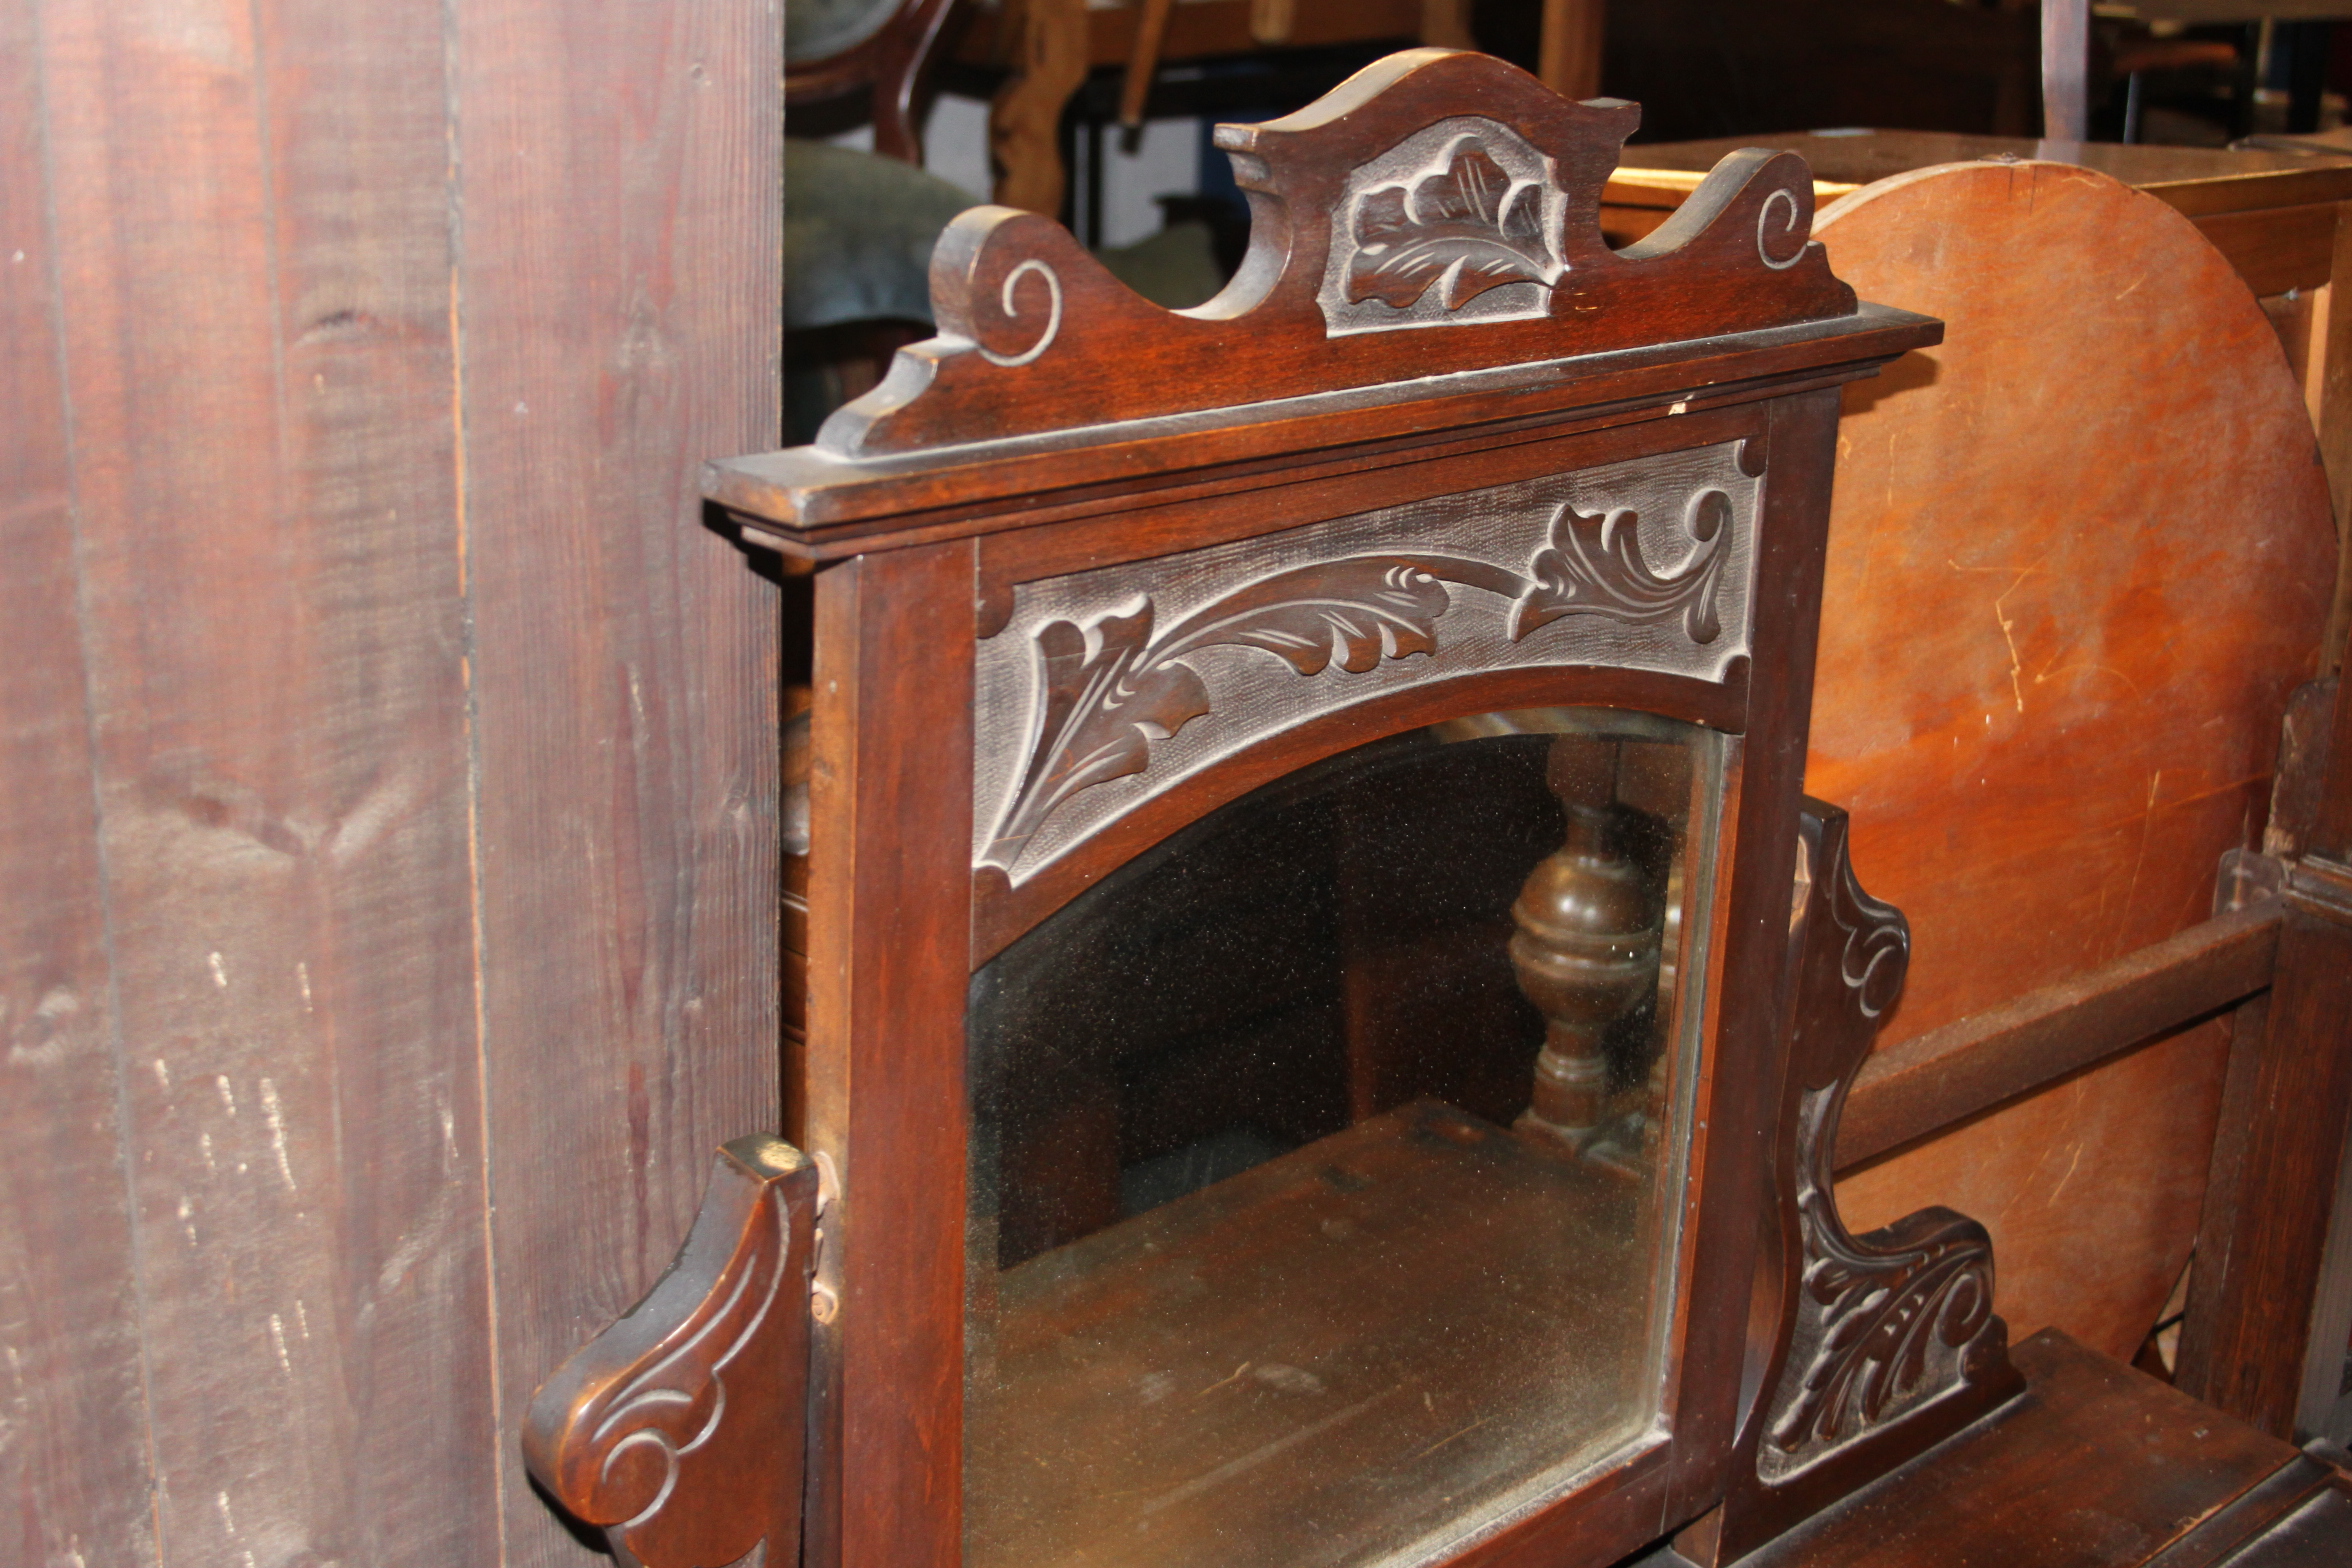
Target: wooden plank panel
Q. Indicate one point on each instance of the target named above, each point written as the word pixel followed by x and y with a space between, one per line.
pixel 254 235
pixel 889 934
pixel 2090 1188
pixel 617 299
pixel 2262 1245
pixel 73 1439
pixel 2278 248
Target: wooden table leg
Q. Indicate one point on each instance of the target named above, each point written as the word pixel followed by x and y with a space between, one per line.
pixel 1569 56
pixel 2066 70
pixel 1143 62
pixel 1026 115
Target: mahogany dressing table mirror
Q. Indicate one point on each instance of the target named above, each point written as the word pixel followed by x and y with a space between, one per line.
pixel 1311 1057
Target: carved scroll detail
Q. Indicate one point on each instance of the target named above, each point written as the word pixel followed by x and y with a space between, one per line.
pixel 1890 1342
pixel 1109 688
pixel 1431 193
pixel 1888 1322
pixel 1593 566
pixel 1010 304
pixel 680 1429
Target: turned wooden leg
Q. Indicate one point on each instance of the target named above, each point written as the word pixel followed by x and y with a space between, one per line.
pixel 1586 951
pixel 680 1430
pixel 1024 120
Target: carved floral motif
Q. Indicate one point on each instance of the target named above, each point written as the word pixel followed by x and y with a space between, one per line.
pixel 1894 1320
pixel 1594 564
pixel 1467 226
pixel 1109 688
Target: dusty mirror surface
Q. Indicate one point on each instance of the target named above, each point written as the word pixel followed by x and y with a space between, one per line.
pixel 1324 1156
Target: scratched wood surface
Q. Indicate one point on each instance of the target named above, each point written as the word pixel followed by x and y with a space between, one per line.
pixel 2079 556
pixel 73 1472
pixel 618 281
pixel 386 768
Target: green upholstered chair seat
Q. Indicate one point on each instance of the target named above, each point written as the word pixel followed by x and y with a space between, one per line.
pixel 858 232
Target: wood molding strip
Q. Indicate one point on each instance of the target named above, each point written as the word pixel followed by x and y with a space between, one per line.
pixel 1931 1081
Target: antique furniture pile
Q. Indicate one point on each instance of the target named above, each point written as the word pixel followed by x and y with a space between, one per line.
pixel 1326 1008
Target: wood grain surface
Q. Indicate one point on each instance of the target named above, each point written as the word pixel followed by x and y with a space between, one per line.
pixel 2079 555
pixel 617 308
pixel 386 752
pixel 253 249
pixel 73 1460
pixel 2095 1466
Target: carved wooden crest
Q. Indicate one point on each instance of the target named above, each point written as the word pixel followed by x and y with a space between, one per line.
pixel 1391 238
pixel 1101 676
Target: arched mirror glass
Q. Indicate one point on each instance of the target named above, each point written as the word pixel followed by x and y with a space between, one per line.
pixel 1326 1157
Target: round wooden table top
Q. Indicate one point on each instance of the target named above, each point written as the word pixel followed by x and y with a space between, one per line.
pixel 2079 556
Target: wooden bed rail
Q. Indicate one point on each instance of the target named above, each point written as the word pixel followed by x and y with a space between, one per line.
pixel 1927 1083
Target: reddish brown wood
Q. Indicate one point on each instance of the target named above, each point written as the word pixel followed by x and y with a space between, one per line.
pixel 2011 682
pixel 1886 1342
pixel 2097 1466
pixel 1011 289
pixel 251 232
pixel 1934 1080
pixel 890 827
pixel 822 508
pixel 2331 829
pixel 680 1429
pixel 983 466
pixel 75 1466
pixel 1337 486
pixel 2275 1172
pixel 2272 213
pixel 262 676
pixel 615 292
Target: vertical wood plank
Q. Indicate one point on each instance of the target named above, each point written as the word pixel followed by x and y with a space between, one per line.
pixel 2331 349
pixel 889 949
pixel 253 225
pixel 617 300
pixel 73 1425
pixel 2276 1166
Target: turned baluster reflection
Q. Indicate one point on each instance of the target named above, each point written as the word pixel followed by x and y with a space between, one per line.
pixel 1590 926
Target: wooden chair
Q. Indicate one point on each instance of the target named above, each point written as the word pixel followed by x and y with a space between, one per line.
pixel 858 227
pixel 1445 505
pixel 881 48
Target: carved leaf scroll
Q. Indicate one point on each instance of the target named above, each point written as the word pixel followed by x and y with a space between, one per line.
pixel 1108 689
pixel 1893 1322
pixel 1594 566
pixel 1889 1317
pixel 680 1429
pixel 1468 225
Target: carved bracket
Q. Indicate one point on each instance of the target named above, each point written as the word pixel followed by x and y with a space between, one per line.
pixel 1888 1341
pixel 1380 207
pixel 680 1430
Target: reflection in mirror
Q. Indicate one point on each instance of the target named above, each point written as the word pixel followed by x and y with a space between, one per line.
pixel 1324 1156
